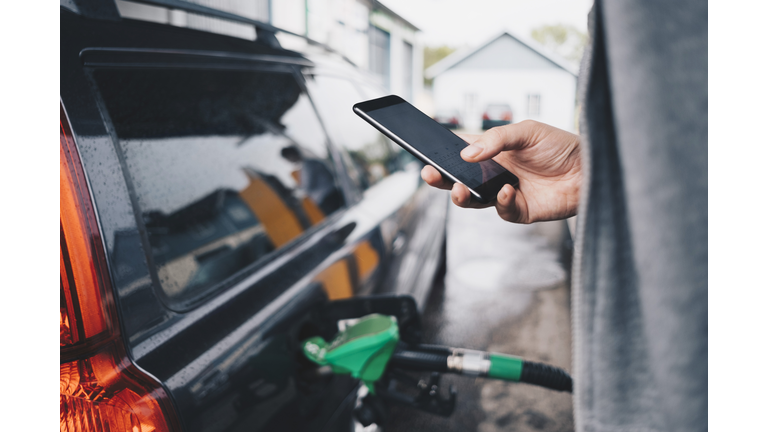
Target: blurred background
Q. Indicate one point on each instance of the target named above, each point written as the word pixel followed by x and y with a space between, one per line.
pixel 471 66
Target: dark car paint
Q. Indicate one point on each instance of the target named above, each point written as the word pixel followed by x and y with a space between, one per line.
pixel 230 362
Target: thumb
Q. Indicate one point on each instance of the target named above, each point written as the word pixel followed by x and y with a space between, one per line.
pixel 496 140
pixel 510 205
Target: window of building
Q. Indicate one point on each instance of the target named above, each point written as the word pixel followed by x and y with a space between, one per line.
pixel 407 71
pixel 534 105
pixel 226 167
pixel 379 54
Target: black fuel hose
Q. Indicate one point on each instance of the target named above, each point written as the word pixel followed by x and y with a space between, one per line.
pixel 544 375
pixel 419 361
pixel 479 363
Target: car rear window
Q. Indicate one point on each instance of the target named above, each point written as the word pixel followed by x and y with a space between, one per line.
pixel 226 167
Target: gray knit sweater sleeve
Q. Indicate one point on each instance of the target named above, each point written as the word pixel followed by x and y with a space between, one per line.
pixel 640 269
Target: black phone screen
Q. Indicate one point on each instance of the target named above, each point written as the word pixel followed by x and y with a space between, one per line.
pixel 435 142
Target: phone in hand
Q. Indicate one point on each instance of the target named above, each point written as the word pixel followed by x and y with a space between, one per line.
pixel 434 145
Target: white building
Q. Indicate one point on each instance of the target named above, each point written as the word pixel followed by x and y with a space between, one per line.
pixel 535 84
pixel 365 31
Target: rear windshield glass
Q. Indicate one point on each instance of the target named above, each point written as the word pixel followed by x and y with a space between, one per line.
pixel 226 166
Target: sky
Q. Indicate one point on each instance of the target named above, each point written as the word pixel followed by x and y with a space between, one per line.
pixel 462 23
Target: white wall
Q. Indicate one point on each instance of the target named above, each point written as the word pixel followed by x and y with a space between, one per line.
pixel 341 24
pixel 254 9
pixel 557 90
pixel 290 15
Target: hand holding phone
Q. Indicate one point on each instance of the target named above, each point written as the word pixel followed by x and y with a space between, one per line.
pixel 547 161
pixel 434 145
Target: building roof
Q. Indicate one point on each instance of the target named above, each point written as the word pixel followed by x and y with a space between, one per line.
pixel 459 57
pixel 378 5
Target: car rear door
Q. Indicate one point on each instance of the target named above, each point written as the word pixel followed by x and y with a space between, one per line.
pixel 217 249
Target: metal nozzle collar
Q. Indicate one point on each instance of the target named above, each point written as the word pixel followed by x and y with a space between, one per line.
pixel 469 362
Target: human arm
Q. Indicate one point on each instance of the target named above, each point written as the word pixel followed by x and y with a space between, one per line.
pixel 546 159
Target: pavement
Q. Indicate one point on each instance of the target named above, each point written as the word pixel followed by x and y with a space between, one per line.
pixel 506 289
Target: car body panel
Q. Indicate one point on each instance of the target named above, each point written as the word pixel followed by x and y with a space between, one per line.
pixel 229 358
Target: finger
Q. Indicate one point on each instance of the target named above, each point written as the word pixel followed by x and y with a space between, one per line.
pixel 496 140
pixel 509 206
pixel 433 178
pixel 461 196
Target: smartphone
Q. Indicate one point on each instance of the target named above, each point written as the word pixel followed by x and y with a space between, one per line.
pixel 434 145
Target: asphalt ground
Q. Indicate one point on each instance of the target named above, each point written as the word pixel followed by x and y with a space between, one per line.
pixel 505 289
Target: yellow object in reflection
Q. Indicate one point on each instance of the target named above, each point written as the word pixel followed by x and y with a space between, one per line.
pixel 367 259
pixel 337 278
pixel 280 223
pixel 313 212
pixel 336 281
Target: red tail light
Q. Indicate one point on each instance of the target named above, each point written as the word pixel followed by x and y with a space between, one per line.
pixel 485 116
pixel 507 116
pixel 100 388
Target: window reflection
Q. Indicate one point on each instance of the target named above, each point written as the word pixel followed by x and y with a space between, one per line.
pixel 206 153
pixel 315 180
pixel 368 155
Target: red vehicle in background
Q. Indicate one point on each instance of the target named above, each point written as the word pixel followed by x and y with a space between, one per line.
pixel 497 115
pixel 449 119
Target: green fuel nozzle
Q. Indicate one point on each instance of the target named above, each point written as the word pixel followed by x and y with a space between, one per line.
pixel 362 350
pixel 368 347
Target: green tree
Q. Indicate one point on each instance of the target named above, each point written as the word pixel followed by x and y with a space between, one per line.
pixel 567 41
pixel 433 55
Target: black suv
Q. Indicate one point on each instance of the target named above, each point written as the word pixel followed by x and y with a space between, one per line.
pixel 214 192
